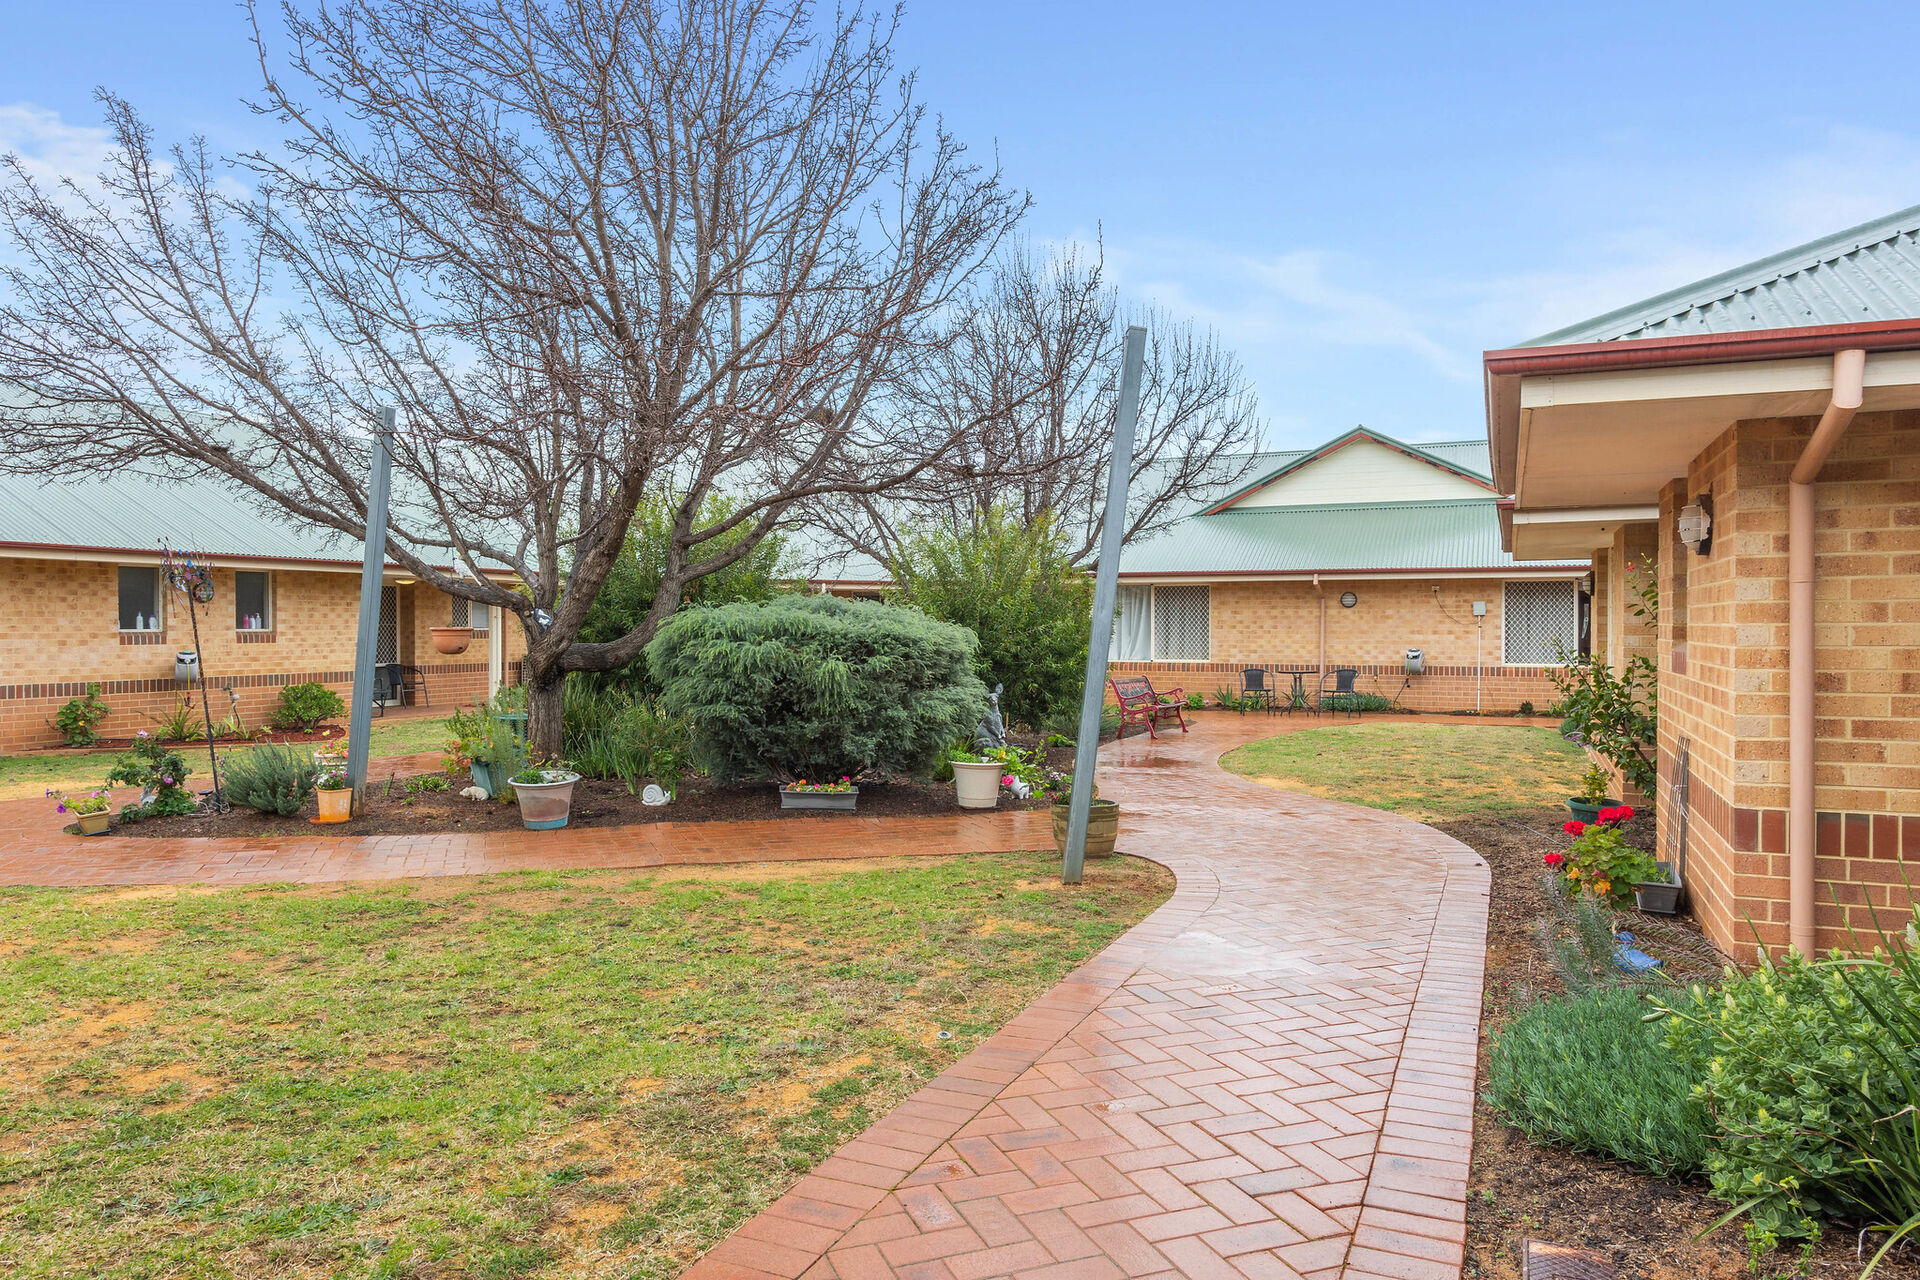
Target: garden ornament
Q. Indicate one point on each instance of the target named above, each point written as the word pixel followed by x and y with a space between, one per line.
pixel 993 730
pixel 1020 788
pixel 652 794
pixel 473 793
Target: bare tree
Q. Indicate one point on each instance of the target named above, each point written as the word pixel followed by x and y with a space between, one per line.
pixel 1031 388
pixel 591 249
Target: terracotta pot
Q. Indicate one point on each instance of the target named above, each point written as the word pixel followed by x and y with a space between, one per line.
pixel 335 806
pixel 545 805
pixel 93 824
pixel 451 639
pixel 1103 827
pixel 977 786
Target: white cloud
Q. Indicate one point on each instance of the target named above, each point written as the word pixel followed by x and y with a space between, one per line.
pixel 49 148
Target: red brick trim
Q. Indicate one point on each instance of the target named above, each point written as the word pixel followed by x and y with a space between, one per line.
pixel 255 637
pixel 143 637
pixel 268 680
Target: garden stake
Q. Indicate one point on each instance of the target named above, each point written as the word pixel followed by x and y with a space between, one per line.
pixel 1105 587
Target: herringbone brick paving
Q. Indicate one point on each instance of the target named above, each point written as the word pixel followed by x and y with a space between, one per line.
pixel 1271 1078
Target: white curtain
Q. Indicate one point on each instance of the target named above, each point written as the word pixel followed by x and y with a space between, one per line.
pixel 1133 633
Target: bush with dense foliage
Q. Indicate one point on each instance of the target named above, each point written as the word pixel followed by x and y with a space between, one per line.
pixel 305 707
pixel 1601 862
pixel 1015 587
pixel 1811 1070
pixel 816 687
pixel 628 592
pixel 271 779
pixel 161 774
pixel 78 719
pixel 1588 1072
pixel 610 733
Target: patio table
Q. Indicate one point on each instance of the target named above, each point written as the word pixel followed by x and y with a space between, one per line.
pixel 1297 695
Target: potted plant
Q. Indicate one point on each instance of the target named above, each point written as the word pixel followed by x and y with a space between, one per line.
pixel 1586 806
pixel 89 811
pixel 1601 861
pixel 336 796
pixel 1659 896
pixel 1103 818
pixel 976 782
pixel 841 795
pixel 451 639
pixel 545 794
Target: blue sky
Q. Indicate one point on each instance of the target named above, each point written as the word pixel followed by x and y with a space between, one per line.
pixel 1360 198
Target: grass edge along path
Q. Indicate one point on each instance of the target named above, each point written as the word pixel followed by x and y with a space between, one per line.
pixel 530 1074
pixel 1425 771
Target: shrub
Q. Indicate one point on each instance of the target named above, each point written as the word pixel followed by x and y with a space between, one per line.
pixel 1014 586
pixel 1588 1072
pixel 161 774
pixel 305 707
pixel 1617 712
pixel 78 719
pixel 1526 708
pixel 1811 1069
pixel 816 687
pixel 182 724
pixel 271 779
pixel 608 733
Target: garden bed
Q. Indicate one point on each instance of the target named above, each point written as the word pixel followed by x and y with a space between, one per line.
pixel 1517 1190
pixel 258 737
pixel 393 810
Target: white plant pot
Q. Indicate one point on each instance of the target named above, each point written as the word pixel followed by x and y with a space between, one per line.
pixel 977 785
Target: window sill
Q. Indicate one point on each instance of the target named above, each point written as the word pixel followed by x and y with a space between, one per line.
pixel 143 637
pixel 255 635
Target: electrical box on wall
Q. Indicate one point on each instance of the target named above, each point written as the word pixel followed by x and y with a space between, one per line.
pixel 1479 608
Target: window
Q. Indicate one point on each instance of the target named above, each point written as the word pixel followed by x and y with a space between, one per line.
pixel 252 602
pixel 1182 624
pixel 482 618
pixel 1539 619
pixel 139 599
pixel 462 615
pixel 1133 629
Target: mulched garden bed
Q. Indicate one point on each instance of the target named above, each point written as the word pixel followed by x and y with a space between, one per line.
pixel 259 737
pixel 1518 1191
pixel 393 810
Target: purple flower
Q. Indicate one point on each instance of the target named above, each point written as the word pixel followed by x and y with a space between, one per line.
pixel 61 807
pixel 167 781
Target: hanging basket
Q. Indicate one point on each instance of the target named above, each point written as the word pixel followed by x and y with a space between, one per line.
pixel 451 639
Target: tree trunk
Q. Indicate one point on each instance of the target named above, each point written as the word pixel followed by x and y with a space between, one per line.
pixel 545 711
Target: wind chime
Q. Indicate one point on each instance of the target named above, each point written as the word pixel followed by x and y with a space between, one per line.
pixel 194 580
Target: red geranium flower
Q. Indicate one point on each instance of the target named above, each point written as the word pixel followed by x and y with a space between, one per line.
pixel 1555 859
pixel 1573 827
pixel 1623 813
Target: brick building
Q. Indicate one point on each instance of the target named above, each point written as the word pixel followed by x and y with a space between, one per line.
pixel 1753 438
pixel 81 602
pixel 1347 554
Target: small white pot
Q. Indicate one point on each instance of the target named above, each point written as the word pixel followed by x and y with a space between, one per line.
pixel 977 785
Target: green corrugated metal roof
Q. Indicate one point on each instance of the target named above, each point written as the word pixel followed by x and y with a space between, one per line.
pixel 1450 535
pixel 128 512
pixel 1865 273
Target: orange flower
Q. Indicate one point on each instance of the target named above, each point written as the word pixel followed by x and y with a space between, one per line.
pixel 1601 886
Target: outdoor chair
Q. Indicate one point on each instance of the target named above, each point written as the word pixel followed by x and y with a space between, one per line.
pixel 1256 687
pixel 1140 704
pixel 1337 691
pixel 393 681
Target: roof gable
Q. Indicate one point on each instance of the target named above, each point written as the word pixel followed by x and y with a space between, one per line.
pixel 1865 273
pixel 1364 465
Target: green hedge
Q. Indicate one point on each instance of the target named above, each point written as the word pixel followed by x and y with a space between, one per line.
pixel 816 687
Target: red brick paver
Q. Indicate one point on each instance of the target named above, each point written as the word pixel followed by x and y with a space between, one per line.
pixel 1270 1078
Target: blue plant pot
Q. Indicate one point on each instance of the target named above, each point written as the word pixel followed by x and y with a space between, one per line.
pixel 482 775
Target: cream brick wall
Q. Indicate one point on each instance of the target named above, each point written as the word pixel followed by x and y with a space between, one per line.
pixel 59 630
pixel 1724 671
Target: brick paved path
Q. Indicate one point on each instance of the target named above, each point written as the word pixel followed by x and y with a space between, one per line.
pixel 1271 1077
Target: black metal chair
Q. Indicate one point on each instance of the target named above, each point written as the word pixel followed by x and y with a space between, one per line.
pixel 393 681
pixel 1255 688
pixel 1342 695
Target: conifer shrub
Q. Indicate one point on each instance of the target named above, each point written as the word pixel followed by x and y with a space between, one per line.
pixel 816 687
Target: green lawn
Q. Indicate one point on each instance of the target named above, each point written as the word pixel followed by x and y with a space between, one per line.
pixel 531 1074
pixel 30 775
pixel 1426 771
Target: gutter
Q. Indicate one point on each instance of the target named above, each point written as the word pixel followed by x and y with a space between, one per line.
pixel 1505 368
pixel 1849 380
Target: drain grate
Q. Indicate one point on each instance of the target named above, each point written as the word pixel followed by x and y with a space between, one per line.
pixel 1542 1261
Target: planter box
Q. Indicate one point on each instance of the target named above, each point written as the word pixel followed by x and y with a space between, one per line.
pixel 1103 827
pixel 1659 899
pixel 482 774
pixel 843 801
pixel 93 824
pixel 546 805
pixel 977 786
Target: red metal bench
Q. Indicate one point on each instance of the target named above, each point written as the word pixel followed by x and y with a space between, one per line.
pixel 1139 704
